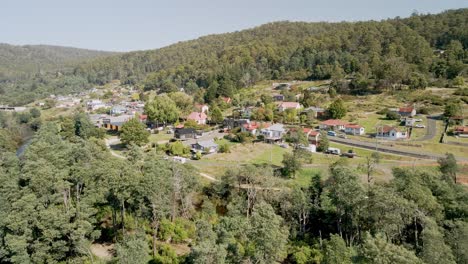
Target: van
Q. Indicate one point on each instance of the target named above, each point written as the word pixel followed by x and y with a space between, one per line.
pixel 331 133
pixel 334 151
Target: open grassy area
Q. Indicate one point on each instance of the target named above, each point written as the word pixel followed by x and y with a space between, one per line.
pixel 160 137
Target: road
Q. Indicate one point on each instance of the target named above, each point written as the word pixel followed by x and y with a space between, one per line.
pixel 393 150
pixel 431 128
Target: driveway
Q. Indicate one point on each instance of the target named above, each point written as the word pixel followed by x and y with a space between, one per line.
pixel 431 128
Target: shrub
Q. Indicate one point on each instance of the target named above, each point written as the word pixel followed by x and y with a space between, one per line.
pixel 224 148
pixel 392 115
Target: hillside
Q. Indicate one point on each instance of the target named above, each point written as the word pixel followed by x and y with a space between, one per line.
pixel 378 55
pixel 23 60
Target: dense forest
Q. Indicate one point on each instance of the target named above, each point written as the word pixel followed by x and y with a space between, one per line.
pixel 360 57
pixel 66 192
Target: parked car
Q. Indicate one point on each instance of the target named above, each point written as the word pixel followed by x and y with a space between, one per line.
pixel 170 131
pixel 350 154
pixel 418 120
pixel 331 133
pixel 284 145
pixel 334 151
pixel 342 136
pixel 419 126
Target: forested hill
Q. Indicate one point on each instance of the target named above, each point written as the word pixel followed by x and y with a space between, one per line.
pixel 379 54
pixel 30 59
pixel 297 50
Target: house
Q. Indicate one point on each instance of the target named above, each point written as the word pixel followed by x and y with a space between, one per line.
pixel 288 105
pixel 202 108
pixel 231 123
pixel 407 111
pixel 354 129
pixel 115 122
pixel 273 133
pixel 185 133
pixel 317 112
pixel 12 108
pixel 207 146
pixel 118 110
pixel 333 124
pixel 391 133
pixel 461 131
pixel 254 127
pixel 199 118
pixel 312 135
pixel 278 97
pixel 94 105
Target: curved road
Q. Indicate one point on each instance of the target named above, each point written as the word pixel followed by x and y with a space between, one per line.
pixel 431 128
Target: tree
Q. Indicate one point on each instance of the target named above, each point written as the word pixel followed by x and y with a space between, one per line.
pixel 392 115
pixel 417 81
pixel 323 142
pixel 434 249
pixel 132 250
pixel 134 132
pixel 336 251
pixel 453 109
pixel 337 109
pixel 371 163
pixel 448 166
pixel 183 101
pixel 216 115
pixel 458 81
pixel 291 164
pixel 162 109
pixel 378 250
pixel 35 113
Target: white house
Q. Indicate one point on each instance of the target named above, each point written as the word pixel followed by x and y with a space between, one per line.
pixel 407 111
pixel 273 133
pixel 354 129
pixel 95 104
pixel 391 133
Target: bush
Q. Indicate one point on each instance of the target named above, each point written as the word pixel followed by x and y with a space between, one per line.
pixel 383 111
pixel 224 148
pixel 392 115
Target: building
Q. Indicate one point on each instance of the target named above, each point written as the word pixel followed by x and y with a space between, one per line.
pixel 273 133
pixel 333 124
pixel 12 108
pixel 95 105
pixel 461 131
pixel 254 127
pixel 354 129
pixel 278 97
pixel 317 112
pixel 185 133
pixel 205 147
pixel 118 110
pixel 312 135
pixel 202 108
pixel 199 118
pixel 115 122
pixel 231 123
pixel 391 133
pixel 407 111
pixel 288 105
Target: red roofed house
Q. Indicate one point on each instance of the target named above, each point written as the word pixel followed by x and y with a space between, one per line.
pixel 143 118
pixel 333 124
pixel 461 131
pixel 200 118
pixel 391 133
pixel 254 127
pixel 407 111
pixel 288 105
pixel 312 135
pixel 354 129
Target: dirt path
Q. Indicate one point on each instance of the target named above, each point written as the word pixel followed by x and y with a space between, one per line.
pixel 110 142
pixel 103 251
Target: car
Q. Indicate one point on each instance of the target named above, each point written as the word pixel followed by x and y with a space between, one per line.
pixel 350 154
pixel 417 120
pixel 334 151
pixel 419 126
pixel 331 133
pixel 342 136
pixel 284 145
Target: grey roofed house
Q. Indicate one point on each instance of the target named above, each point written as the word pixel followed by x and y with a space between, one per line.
pixel 231 123
pixel 118 109
pixel 207 146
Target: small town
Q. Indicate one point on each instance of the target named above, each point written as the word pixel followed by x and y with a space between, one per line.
pixel 250 132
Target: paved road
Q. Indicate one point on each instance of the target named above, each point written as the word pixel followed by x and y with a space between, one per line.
pixel 431 128
pixel 393 150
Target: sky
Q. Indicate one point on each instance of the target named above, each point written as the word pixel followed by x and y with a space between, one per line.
pixel 126 25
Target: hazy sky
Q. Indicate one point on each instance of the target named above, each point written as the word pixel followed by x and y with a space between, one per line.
pixel 120 25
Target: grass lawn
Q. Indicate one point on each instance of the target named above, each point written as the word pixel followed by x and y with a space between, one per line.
pixel 162 136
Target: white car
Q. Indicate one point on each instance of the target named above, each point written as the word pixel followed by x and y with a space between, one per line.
pixel 419 126
pixel 417 120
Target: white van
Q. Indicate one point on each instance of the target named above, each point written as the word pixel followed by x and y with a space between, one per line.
pixel 334 151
